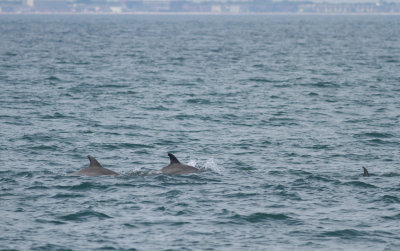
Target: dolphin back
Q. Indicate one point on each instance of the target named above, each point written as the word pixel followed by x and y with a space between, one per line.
pixel 175 167
pixel 94 169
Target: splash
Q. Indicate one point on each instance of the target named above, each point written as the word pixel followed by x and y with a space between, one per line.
pixel 143 173
pixel 192 162
pixel 211 165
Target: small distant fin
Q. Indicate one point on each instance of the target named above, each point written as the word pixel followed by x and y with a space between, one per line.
pixel 93 162
pixel 173 159
pixel 366 174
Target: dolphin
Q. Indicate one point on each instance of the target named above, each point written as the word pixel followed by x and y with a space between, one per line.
pixel 94 169
pixel 175 167
pixel 366 174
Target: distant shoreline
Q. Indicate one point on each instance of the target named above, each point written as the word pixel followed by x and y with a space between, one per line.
pixel 150 13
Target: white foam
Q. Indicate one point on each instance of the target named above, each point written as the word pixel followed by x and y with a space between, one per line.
pixel 192 162
pixel 211 165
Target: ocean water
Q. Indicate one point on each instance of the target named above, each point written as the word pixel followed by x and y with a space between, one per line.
pixel 280 113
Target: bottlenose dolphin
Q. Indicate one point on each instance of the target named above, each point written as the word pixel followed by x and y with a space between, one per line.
pixel 366 174
pixel 94 169
pixel 175 167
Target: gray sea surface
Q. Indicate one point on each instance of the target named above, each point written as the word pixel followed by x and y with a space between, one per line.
pixel 280 114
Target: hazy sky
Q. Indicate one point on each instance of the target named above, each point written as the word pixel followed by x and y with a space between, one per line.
pixel 329 1
pixel 352 1
pixel 225 1
pixel 219 1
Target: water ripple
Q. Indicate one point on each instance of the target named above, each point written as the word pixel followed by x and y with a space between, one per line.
pixel 280 114
pixel 84 215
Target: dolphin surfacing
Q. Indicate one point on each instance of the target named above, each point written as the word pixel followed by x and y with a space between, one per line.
pixel 366 174
pixel 94 169
pixel 175 167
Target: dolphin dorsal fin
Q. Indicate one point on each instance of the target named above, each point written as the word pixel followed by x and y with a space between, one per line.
pixel 93 162
pixel 366 174
pixel 173 159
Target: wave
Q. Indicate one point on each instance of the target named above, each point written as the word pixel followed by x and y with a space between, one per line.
pixel 390 199
pixel 67 195
pixel 360 184
pixel 84 186
pixel 266 217
pixel 344 233
pixel 392 217
pixel 84 215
